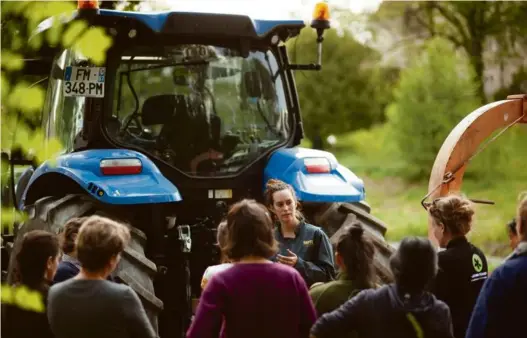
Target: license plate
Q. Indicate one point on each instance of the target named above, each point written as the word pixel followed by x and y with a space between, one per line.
pixel 84 81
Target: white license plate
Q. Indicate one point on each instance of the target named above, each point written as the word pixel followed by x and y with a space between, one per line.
pixel 84 81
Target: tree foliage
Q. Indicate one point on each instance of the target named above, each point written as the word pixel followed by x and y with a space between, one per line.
pixel 351 90
pixel 432 96
pixel 23 92
pixel 469 25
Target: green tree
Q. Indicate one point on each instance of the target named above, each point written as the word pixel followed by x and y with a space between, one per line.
pixel 22 98
pixel 349 93
pixel 469 25
pixel 433 95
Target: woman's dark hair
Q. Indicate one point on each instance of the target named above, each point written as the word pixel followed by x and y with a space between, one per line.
pixel 36 248
pixel 100 239
pixel 274 185
pixel 414 264
pixel 69 232
pixel 357 251
pixel 454 212
pixel 249 231
pixel 511 227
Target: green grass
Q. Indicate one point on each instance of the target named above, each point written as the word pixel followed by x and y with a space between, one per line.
pixel 394 200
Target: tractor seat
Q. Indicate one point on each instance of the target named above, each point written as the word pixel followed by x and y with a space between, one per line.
pixel 160 109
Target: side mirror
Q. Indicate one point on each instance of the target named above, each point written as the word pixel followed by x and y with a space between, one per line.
pixel 320 22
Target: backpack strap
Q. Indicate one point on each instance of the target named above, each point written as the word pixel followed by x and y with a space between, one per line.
pixel 415 324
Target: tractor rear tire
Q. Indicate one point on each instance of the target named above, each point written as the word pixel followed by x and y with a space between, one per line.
pixel 134 269
pixel 334 217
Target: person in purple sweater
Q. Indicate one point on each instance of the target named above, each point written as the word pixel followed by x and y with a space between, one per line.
pixel 255 297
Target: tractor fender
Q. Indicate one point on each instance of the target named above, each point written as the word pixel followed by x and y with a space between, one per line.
pixel 339 184
pixel 83 167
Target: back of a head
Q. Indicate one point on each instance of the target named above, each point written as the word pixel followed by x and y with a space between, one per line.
pixel 70 232
pixel 36 248
pixel 100 239
pixel 454 212
pixel 357 252
pixel 249 231
pixel 414 264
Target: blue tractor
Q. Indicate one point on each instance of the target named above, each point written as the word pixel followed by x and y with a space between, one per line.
pixel 190 113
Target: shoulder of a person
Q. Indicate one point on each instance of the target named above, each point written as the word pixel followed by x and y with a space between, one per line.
pixel 447 257
pixel 438 304
pixel 477 250
pixel 320 288
pixel 509 268
pixel 63 285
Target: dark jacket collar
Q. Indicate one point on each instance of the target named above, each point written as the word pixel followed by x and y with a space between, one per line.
pixel 298 229
pixel 459 241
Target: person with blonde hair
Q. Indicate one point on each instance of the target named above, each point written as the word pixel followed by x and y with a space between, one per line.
pixel 224 261
pixel 462 266
pixel 88 305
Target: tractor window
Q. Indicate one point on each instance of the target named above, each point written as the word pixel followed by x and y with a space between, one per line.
pixel 206 110
pixel 63 116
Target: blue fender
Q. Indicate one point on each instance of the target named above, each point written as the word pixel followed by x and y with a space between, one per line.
pixel 337 185
pixel 149 186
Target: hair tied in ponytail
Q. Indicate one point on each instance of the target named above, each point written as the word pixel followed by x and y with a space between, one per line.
pixel 356 231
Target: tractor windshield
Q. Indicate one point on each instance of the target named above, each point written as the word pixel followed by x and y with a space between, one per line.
pixel 206 110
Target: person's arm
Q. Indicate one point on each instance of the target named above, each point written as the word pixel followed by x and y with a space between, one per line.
pixel 344 319
pixel 137 321
pixel 308 314
pixel 209 314
pixel 440 286
pixel 321 269
pixel 485 321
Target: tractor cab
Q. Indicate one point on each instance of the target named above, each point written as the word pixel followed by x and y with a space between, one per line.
pixel 206 94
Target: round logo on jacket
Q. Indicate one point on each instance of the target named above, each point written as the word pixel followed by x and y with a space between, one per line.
pixel 477 263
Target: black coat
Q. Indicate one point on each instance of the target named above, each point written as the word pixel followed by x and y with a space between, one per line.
pixel 23 323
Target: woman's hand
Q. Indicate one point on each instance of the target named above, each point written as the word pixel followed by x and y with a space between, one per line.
pixel 290 260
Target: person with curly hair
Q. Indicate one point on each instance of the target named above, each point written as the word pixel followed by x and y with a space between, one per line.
pixel 462 266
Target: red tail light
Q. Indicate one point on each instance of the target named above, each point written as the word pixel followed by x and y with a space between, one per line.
pixel 317 165
pixel 121 166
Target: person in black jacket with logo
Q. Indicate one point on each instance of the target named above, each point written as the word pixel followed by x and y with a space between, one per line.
pixel 399 310
pixel 301 245
pixel 462 266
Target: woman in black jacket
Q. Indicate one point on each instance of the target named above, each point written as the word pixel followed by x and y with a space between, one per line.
pixel 462 266
pixel 36 264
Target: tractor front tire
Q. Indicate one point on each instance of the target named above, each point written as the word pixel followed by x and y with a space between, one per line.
pixel 134 269
pixel 333 219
